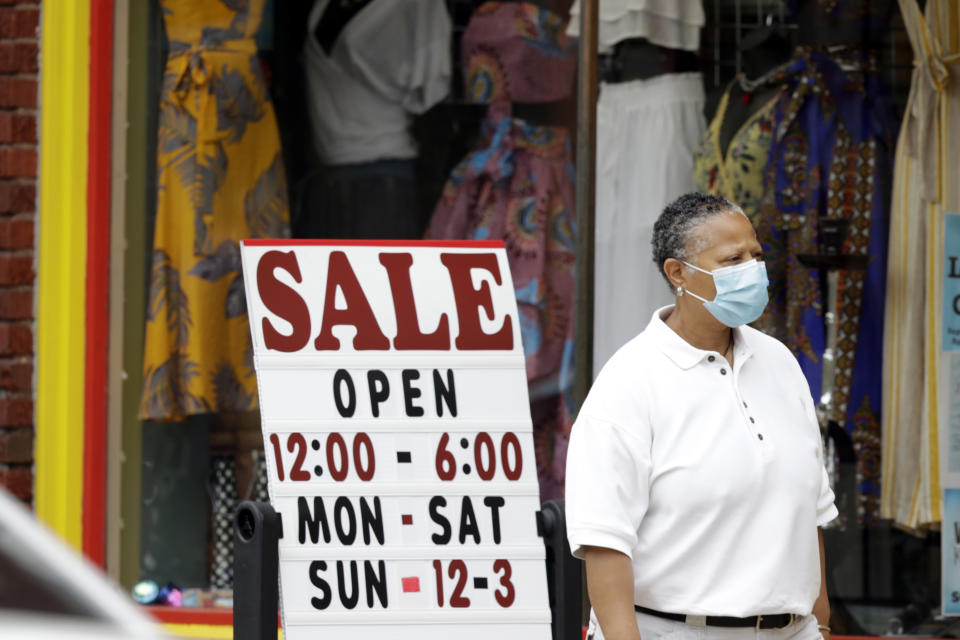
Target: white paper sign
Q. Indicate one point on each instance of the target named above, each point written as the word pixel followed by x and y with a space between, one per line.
pixel 399 444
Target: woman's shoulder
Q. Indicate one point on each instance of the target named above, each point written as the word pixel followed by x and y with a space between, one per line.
pixel 633 358
pixel 769 348
pixel 626 377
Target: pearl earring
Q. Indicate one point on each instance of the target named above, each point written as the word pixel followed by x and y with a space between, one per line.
pixel 679 291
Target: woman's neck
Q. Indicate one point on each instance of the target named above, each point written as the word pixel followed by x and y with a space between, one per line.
pixel 706 336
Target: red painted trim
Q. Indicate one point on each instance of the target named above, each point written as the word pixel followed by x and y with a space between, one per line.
pixel 97 322
pixel 184 615
pixel 453 244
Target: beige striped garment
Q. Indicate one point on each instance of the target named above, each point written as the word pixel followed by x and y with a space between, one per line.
pixel 926 187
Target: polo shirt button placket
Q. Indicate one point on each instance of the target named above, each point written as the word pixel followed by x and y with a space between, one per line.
pixel 760 440
pixel 752 421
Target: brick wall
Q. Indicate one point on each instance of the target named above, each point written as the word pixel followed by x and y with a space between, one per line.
pixel 19 23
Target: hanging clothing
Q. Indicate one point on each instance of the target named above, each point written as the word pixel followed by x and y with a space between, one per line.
pixel 373 200
pixel 674 24
pixel 517 186
pixel 737 172
pixel 926 187
pixel 664 113
pixel 831 158
pixel 389 61
pixel 517 52
pixel 221 179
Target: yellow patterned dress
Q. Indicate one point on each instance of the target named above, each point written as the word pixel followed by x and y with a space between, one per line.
pixel 221 180
pixel 736 174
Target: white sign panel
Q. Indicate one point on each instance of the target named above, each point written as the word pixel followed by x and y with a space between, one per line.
pixel 399 444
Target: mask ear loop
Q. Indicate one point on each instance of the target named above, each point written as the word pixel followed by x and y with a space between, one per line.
pixel 698 297
pixel 693 266
pixel 680 290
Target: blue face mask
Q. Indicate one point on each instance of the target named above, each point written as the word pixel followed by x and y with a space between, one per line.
pixel 741 292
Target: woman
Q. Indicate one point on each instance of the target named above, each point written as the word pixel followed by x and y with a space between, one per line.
pixel 695 480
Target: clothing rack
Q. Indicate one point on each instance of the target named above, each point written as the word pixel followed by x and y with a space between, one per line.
pixel 728 21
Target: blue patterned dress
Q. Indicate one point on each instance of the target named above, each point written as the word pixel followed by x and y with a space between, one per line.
pixel 831 157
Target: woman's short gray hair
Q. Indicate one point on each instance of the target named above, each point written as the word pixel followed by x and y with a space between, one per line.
pixel 674 230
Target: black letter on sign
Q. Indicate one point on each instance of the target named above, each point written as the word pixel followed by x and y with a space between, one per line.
pixel 410 392
pixel 495 502
pixel 346 410
pixel 371 520
pixel 314 521
pixel 376 581
pixel 339 507
pixel 468 521
pixel 349 602
pixel 315 568
pixel 379 389
pixel 953 268
pixel 956 305
pixel 445 393
pixel 435 503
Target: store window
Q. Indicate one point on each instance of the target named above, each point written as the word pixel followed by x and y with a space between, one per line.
pixel 383 119
pixel 359 120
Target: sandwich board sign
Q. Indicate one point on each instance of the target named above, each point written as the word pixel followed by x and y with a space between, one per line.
pixel 398 437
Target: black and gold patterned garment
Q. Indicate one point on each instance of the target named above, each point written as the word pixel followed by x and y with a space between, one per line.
pixel 831 157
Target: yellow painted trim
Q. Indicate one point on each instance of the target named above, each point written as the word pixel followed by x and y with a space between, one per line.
pixel 213 632
pixel 61 268
pixel 206 631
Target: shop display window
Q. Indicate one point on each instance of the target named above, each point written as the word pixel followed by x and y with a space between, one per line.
pixel 194 468
pixel 183 477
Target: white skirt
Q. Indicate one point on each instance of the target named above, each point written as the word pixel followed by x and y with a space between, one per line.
pixel 647 131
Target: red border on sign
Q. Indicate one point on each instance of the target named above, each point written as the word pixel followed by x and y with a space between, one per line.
pixel 464 244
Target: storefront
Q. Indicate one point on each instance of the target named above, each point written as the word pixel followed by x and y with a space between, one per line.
pixel 791 108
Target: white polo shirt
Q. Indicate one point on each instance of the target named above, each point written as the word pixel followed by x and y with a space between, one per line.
pixel 709 477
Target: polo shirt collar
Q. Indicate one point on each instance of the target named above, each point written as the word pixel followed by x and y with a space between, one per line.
pixel 681 352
